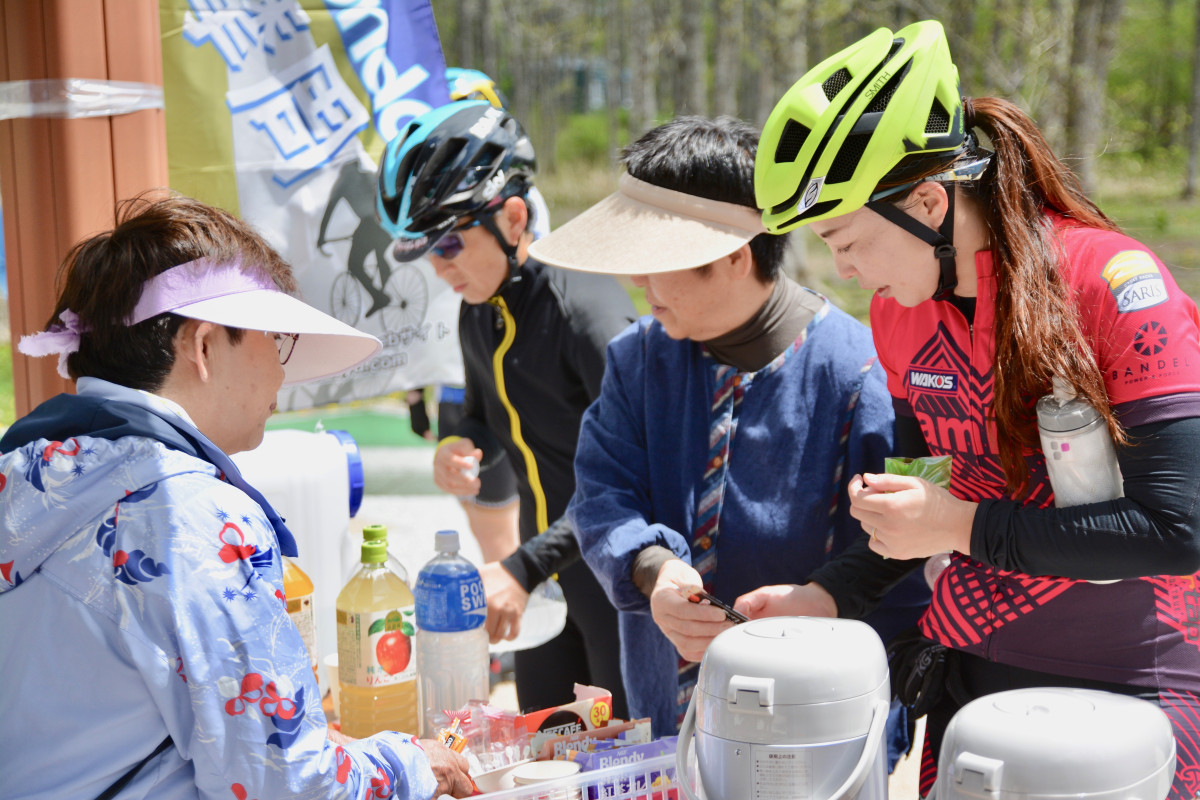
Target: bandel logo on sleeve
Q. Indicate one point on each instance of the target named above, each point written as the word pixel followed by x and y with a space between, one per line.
pixel 933 380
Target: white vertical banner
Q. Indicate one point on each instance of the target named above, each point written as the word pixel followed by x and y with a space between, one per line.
pixel 302 93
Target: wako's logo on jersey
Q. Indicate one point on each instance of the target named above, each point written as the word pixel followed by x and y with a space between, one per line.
pixel 933 381
pixel 1134 280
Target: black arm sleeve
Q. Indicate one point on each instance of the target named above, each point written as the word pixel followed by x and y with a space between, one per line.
pixel 907 437
pixel 859 577
pixel 550 552
pixel 1153 530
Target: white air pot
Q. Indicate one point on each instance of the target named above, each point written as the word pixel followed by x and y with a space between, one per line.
pixel 1037 744
pixel 790 707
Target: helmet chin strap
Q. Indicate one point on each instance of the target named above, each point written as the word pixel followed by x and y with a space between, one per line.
pixel 942 240
pixel 510 251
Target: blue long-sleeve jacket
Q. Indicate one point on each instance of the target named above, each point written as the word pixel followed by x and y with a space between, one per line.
pixel 642 451
pixel 141 596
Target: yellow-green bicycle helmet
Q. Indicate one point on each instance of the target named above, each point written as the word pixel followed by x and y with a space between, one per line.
pixel 845 125
pixel 858 118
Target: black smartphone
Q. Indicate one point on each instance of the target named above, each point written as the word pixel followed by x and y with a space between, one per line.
pixel 697 595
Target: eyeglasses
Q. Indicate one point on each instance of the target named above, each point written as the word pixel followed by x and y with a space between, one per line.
pixel 286 344
pixel 450 245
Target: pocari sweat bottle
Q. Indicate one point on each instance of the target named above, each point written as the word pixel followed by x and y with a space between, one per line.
pixel 452 642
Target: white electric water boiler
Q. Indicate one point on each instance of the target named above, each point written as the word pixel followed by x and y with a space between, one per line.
pixel 790 707
pixel 1049 744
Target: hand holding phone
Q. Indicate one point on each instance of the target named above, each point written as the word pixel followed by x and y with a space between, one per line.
pixel 695 594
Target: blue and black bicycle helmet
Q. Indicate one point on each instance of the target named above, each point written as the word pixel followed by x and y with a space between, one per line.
pixel 454 161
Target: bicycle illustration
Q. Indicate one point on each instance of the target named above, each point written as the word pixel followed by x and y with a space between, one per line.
pixel 401 295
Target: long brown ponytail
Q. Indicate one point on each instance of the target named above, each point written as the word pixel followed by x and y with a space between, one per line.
pixel 1037 328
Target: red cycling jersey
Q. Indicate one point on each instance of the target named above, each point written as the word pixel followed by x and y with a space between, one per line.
pixel 1145 334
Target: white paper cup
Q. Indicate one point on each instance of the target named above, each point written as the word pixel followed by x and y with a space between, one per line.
pixel 546 772
pixel 331 676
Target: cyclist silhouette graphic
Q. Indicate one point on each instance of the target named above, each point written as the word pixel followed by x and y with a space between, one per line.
pixel 357 187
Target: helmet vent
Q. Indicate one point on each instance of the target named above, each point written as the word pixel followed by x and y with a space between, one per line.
pixel 881 99
pixel 939 119
pixel 790 142
pixel 816 211
pixel 835 83
pixel 848 157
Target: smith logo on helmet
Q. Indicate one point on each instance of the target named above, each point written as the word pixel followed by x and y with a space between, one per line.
pixel 483 126
pixel 811 193
pixel 493 185
pixel 877 84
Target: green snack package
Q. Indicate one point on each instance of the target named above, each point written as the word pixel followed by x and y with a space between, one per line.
pixel 935 469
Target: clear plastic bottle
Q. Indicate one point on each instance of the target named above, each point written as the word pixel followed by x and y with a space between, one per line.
pixel 544 618
pixel 452 646
pixel 1081 460
pixel 298 594
pixel 376 634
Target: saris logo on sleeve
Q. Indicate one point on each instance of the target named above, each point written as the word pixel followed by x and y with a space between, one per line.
pixel 929 380
pixel 1134 280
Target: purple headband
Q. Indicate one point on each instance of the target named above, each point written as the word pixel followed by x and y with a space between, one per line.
pixel 193 282
pixel 177 287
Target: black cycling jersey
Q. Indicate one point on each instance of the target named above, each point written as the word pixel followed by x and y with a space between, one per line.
pixel 549 331
pixel 534 358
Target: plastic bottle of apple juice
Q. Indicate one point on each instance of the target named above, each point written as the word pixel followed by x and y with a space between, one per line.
pixel 377 669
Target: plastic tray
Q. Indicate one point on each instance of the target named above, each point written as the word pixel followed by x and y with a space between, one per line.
pixel 652 779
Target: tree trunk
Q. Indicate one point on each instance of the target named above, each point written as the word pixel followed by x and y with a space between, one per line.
pixel 1051 112
pixel 489 58
pixel 642 63
pixel 960 33
pixel 727 19
pixel 1193 144
pixel 695 60
pixel 612 84
pixel 465 28
pixel 1095 33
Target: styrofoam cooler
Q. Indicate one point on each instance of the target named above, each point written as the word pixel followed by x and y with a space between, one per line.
pixel 315 481
pixel 1051 743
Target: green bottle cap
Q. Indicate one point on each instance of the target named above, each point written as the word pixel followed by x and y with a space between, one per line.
pixel 374 548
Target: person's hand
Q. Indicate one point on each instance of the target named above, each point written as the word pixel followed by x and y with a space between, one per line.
pixel 909 517
pixel 337 737
pixel 449 462
pixel 449 768
pixel 506 600
pixel 787 600
pixel 689 626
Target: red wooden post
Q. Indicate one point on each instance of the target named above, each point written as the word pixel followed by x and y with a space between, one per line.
pixel 61 178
